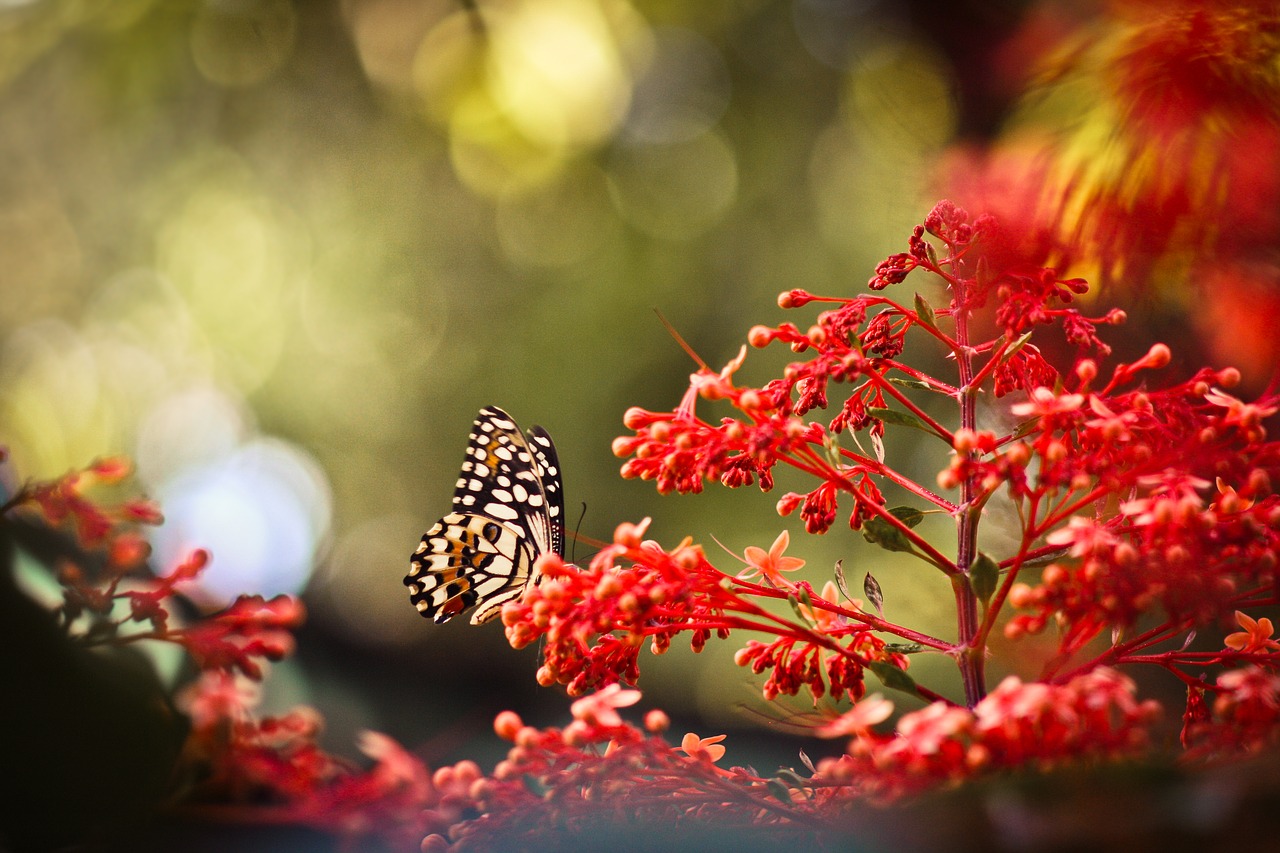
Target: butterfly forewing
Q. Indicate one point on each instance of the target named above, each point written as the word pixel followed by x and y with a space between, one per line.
pixel 547 465
pixel 507 510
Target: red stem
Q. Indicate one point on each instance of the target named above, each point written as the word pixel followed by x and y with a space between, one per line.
pixel 970 642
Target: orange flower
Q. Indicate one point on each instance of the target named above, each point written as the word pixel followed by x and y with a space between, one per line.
pixel 1255 637
pixel 859 719
pixel 771 565
pixel 696 747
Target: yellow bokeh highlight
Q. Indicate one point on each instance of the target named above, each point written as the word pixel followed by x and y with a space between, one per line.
pixel 490 154
pixel 900 94
pixel 234 255
pixel 51 404
pixel 449 65
pixel 388 35
pixel 557 70
pixel 522 86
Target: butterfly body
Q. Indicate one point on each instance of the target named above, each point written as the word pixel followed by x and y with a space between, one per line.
pixel 507 511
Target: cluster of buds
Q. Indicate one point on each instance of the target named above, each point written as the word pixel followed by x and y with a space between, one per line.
pixel 115 601
pixel 594 621
pixel 1134 501
pixel 600 771
pixel 69 500
pixel 272 769
pixel 1095 716
pixel 1242 717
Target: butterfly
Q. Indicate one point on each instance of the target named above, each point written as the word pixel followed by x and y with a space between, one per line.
pixel 507 511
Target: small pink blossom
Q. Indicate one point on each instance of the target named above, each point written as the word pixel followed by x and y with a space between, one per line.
pixel 858 719
pixel 600 708
pixel 1044 402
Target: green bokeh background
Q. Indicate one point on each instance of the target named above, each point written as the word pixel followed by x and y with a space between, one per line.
pixel 346 226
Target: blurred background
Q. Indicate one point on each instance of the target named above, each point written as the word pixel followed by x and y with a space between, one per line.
pixel 279 253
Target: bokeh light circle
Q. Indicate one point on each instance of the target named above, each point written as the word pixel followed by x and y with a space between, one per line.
pixel 674 192
pixel 262 511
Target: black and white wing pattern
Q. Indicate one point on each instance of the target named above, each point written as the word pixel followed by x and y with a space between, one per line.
pixel 508 510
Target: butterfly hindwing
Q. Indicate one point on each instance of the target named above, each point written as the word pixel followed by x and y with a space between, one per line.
pixel 468 560
pixel 507 509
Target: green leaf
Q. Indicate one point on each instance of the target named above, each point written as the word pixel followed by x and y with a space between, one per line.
pixel 792 778
pixel 877 531
pixel 925 312
pixel 911 382
pixel 780 792
pixel 908 515
pixel 1014 347
pixel 984 575
pixel 894 416
pixel 892 677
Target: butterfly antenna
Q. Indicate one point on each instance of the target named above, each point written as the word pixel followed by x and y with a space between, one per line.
pixel 671 330
pixel 576 531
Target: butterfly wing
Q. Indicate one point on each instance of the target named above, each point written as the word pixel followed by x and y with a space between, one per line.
pixel 507 509
pixel 513 479
pixel 467 561
pixel 547 465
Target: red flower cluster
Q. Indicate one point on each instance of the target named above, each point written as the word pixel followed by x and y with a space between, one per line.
pixel 594 621
pixel 68 498
pixel 1168 181
pixel 1114 485
pixel 601 772
pixel 272 769
pixel 793 664
pixel 679 451
pixel 1137 501
pixel 1175 541
pixel 1244 716
pixel 1093 717
pixel 251 629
